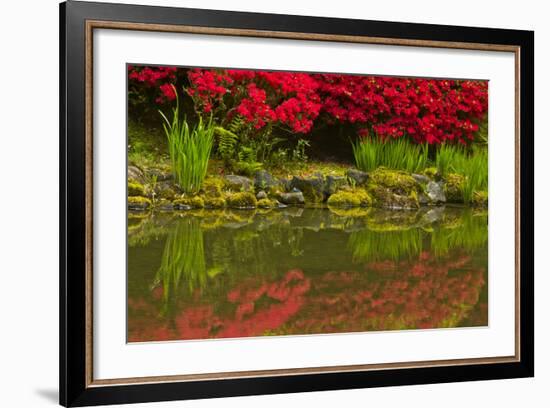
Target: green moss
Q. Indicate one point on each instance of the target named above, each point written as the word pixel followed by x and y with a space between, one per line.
pixel 214 202
pixel 413 195
pixel 396 180
pixel 480 199
pixel 453 188
pixel 432 172
pixel 267 203
pixel 167 193
pixel 138 203
pixel 213 186
pixel 353 198
pixel 194 202
pixel 241 200
pixel 135 189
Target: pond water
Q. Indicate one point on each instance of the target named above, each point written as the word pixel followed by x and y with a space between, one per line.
pixel 222 274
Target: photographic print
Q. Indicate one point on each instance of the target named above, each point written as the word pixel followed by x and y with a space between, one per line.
pixel 270 203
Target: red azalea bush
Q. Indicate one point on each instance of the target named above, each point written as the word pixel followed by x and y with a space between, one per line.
pixel 424 110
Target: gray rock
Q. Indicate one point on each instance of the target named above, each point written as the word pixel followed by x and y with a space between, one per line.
pixel 138 206
pixel 423 199
pixel 238 183
pixel 334 183
pixel 292 198
pixel 263 180
pixel 436 192
pixel 166 206
pixel 359 177
pixel 261 195
pixel 421 178
pixel 135 173
pixel 182 207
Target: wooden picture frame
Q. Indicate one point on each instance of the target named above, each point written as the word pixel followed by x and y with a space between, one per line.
pixel 78 20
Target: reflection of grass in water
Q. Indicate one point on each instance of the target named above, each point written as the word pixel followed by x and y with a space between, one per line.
pixel 370 246
pixel 183 257
pixel 470 234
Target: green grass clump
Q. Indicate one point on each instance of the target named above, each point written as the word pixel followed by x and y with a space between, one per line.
pixel 472 165
pixel 371 153
pixel 189 150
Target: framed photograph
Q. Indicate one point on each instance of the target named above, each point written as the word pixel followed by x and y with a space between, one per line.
pixel 256 204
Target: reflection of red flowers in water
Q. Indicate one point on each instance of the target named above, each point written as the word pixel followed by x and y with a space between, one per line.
pixel 426 293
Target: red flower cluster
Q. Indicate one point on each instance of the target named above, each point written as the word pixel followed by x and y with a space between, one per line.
pixel 425 110
pixel 153 77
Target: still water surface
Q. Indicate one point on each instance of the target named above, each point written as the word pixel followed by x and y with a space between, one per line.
pixel 221 274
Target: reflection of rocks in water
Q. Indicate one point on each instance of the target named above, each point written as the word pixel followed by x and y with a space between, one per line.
pixel 231 273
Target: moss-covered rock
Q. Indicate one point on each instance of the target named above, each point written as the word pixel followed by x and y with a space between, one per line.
pixel 241 200
pixel 165 190
pixel 186 203
pixel 213 186
pixel 334 184
pixel 453 188
pixel 214 202
pixel 135 189
pixel 480 199
pixel 238 183
pixel 354 198
pixel 357 177
pixel 393 189
pixel 263 180
pixel 138 203
pixel 399 181
pixel 293 198
pixel 164 205
pixel 267 203
pixel 311 187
